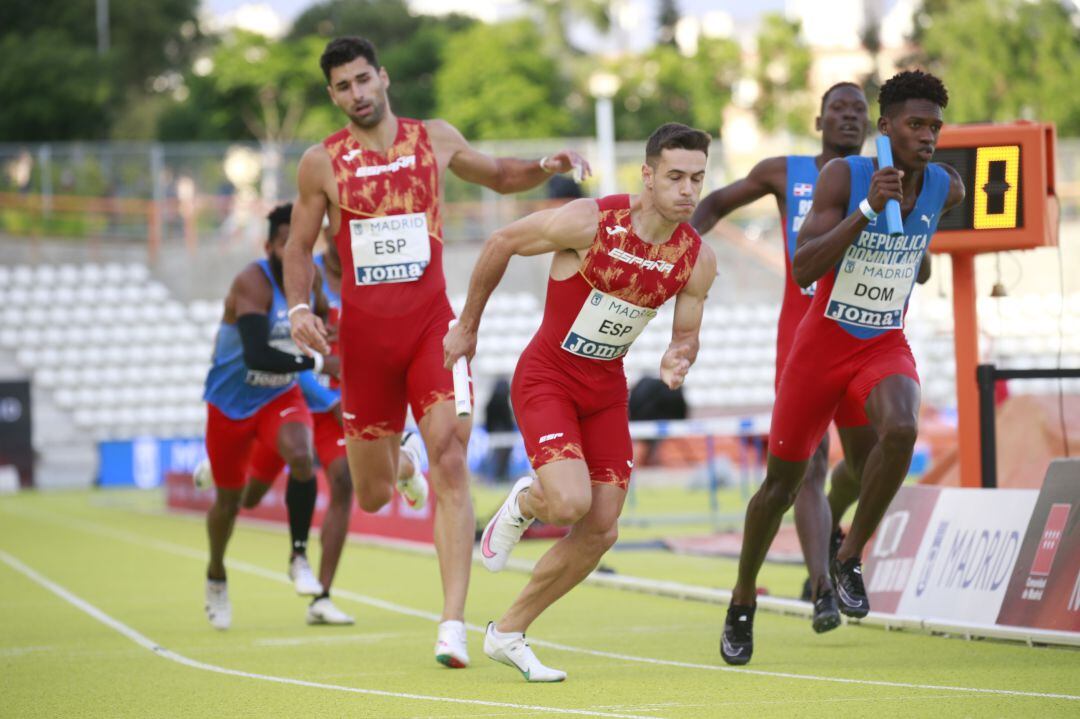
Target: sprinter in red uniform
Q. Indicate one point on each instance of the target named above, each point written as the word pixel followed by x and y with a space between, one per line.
pixel 378 180
pixel 616 260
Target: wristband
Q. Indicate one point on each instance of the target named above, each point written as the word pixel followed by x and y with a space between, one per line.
pixel 318 358
pixel 543 164
pixel 301 306
pixel 867 210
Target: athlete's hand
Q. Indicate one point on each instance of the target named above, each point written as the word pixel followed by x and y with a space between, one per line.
pixel 674 365
pixel 458 342
pixel 885 185
pixel 332 366
pixel 308 332
pixel 568 160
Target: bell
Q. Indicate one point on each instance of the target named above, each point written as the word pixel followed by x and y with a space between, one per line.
pixel 998 290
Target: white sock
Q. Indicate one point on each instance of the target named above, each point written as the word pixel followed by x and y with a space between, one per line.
pixel 505 635
pixel 452 624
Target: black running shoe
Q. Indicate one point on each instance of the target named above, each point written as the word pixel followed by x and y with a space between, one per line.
pixel 737 641
pixel 850 590
pixel 826 612
pixel 835 540
pixel 807 591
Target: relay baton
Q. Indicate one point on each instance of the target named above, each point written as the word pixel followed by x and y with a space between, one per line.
pixel 893 222
pixel 462 402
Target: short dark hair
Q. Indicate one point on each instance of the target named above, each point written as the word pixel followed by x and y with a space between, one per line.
pixel 280 215
pixel 676 136
pixel 837 86
pixel 912 85
pixel 341 50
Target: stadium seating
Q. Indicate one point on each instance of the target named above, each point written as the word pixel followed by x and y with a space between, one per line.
pixel 125 358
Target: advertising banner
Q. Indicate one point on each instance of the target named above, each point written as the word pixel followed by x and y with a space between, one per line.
pixel 1045 589
pixel 968 552
pixel 396 520
pixel 145 461
pixel 890 558
pixel 16 441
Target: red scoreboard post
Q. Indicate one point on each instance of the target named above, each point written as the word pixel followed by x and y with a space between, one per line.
pixel 1008 171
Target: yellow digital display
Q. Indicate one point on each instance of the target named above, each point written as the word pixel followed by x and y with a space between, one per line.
pixel 996 188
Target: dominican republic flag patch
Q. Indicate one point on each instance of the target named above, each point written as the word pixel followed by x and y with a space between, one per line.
pixel 803 189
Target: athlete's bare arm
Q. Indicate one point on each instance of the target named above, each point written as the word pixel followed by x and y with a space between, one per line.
pixel 828 230
pixel 505 175
pixel 924 269
pixel 686 326
pixel 954 198
pixel 314 175
pixel 321 308
pixel 956 188
pixel 766 178
pixel 569 227
pixel 250 293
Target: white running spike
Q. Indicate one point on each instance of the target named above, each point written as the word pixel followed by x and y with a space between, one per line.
pixel 303 578
pixel 218 608
pixel 504 530
pixel 414 489
pixel 451 648
pixel 323 611
pixel 512 650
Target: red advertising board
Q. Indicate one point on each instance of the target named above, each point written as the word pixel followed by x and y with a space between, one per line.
pixel 891 554
pixel 1044 591
pixel 396 520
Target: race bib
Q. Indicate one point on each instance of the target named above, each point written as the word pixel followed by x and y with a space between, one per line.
pixel 606 327
pixel 874 281
pixel 388 249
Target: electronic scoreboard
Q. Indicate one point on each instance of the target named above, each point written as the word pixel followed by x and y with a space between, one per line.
pixel 1008 172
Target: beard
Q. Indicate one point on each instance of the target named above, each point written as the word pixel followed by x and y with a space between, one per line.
pixel 378 112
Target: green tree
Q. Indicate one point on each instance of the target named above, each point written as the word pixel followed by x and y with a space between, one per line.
pixel 662 86
pixel 384 22
pixel 495 83
pixel 54 43
pixel 1004 59
pixel 410 46
pixel 50 95
pixel 783 76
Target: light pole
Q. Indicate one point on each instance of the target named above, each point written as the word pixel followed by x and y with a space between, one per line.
pixel 603 86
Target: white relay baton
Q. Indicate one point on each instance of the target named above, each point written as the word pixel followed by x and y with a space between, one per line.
pixel 462 402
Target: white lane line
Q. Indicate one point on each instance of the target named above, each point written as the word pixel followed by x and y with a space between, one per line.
pixel 147 643
pixel 185 551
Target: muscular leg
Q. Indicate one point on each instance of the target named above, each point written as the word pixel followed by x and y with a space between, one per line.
pixel 561 495
pixel 763 515
pixel 255 489
pixel 373 466
pixel 219 526
pixel 573 557
pixel 893 409
pixel 813 518
pixel 845 480
pixel 446 436
pixel 335 523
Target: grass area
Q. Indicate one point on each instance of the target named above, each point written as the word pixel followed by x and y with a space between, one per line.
pixel 627 654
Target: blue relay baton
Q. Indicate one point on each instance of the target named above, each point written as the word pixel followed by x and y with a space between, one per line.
pixel 893 223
